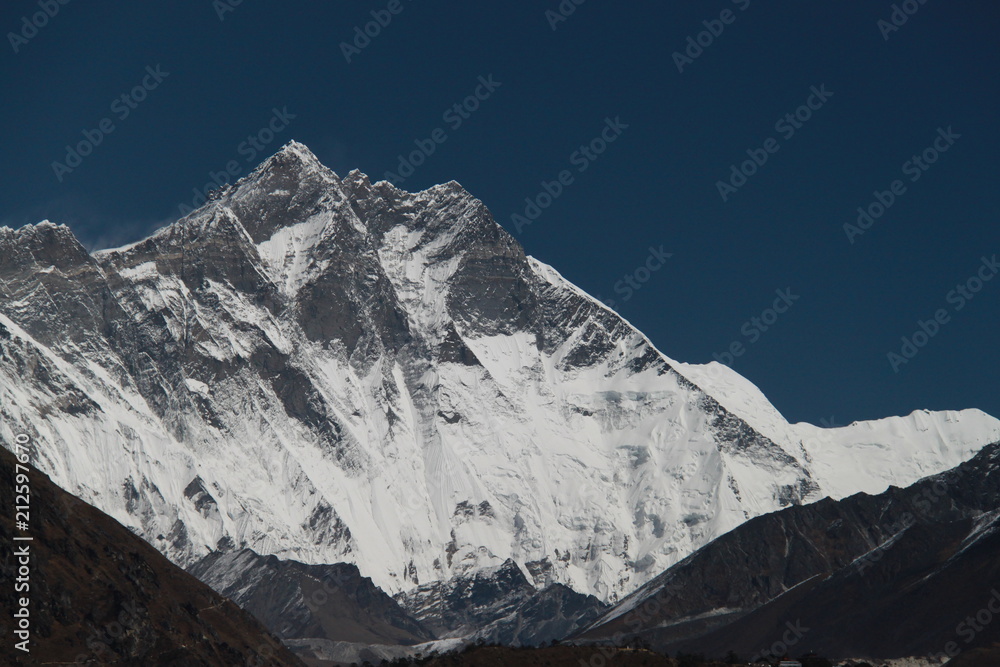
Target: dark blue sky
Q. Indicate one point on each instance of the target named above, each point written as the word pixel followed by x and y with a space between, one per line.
pixel 656 184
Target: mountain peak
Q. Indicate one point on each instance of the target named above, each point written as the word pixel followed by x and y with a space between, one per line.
pixel 45 242
pixel 296 150
pixel 362 374
pixel 292 159
pixel 31 229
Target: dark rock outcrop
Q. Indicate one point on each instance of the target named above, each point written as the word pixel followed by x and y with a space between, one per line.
pixel 498 605
pixel 299 601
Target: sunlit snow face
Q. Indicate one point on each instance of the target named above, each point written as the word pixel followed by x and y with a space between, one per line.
pixel 367 375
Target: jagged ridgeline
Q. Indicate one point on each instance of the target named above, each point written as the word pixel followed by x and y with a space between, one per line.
pixel 330 370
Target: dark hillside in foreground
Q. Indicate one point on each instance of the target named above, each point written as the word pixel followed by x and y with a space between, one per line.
pixel 100 595
pixel 893 575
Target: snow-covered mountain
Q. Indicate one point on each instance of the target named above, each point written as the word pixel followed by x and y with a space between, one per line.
pixel 326 369
pixel 889 575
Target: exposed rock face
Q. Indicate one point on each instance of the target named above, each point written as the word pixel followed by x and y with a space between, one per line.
pixel 298 601
pixel 498 605
pixel 101 595
pixel 888 576
pixel 330 370
pixel 551 614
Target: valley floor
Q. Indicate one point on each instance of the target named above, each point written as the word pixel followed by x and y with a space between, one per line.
pixel 555 656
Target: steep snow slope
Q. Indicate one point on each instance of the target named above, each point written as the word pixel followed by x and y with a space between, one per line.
pixel 329 370
pixel 883 452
